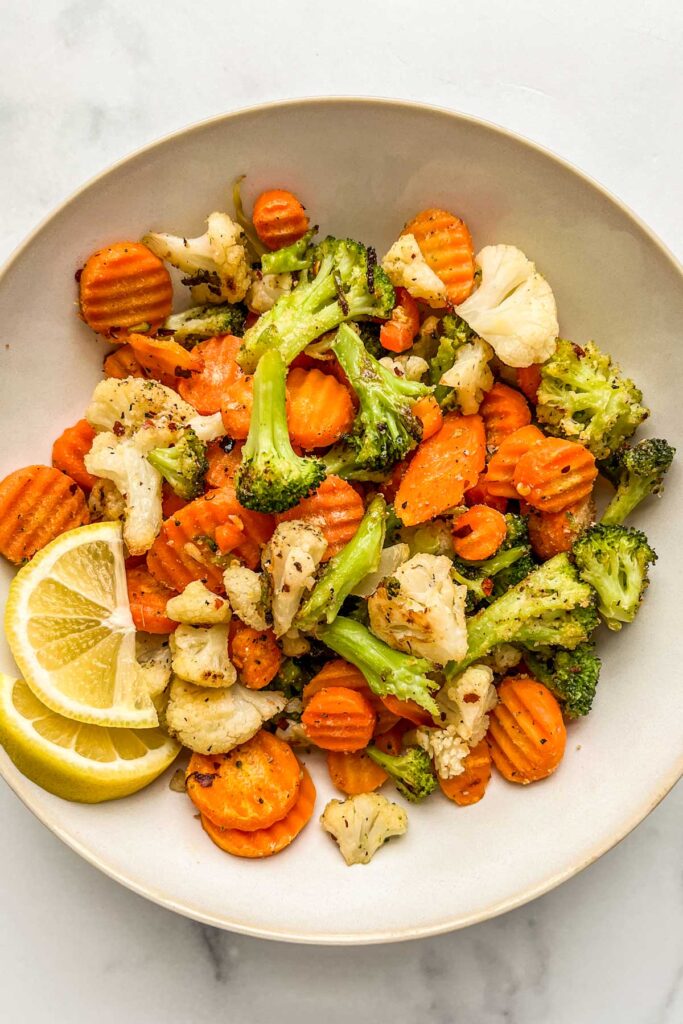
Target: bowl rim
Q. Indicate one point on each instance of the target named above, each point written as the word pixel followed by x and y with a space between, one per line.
pixel 24 789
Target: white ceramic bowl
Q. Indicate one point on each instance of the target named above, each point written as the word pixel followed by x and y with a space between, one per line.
pixel 363 167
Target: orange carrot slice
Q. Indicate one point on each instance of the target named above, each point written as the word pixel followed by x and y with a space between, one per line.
pixel 122 286
pixel 336 508
pixel 338 718
pixel 69 451
pixel 162 357
pixel 354 772
pixel 555 474
pixel 502 466
pixel 481 494
pixel 529 381
pixel 218 369
pixel 446 244
pixel 37 503
pixel 122 363
pixel 398 333
pixel 503 411
pixel 223 465
pixel 428 411
pixel 279 218
pixel 478 533
pixel 319 408
pixel 470 786
pixel 408 709
pixel 527 735
pixel 265 842
pixel 255 654
pixel 236 406
pixel 551 533
pixel 148 599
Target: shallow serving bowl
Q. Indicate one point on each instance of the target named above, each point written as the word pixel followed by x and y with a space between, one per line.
pixel 363 167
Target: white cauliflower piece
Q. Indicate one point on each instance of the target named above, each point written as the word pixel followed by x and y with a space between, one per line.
pixel 363 823
pixel 124 406
pixel 245 594
pixel 215 720
pixel 154 658
pixel 292 731
pixel 294 644
pixel 406 366
pixel 466 701
pixel 470 375
pixel 291 558
pixel 120 460
pixel 421 610
pixel 513 308
pixel 198 606
pixel 389 561
pixel 218 258
pixel 503 658
pixel 200 655
pixel 407 268
pixel 105 501
pixel 446 748
pixel 266 289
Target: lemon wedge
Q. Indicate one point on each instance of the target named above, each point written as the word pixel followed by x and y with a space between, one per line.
pixel 88 763
pixel 69 627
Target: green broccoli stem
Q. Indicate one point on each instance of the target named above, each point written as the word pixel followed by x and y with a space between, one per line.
pixel 388 672
pixel 343 572
pixel 342 461
pixel 290 258
pixel 268 425
pixel 626 499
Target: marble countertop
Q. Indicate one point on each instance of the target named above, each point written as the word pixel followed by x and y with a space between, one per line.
pixel 85 83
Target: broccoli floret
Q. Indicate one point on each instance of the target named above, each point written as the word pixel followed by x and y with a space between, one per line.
pixel 183 466
pixel 385 429
pixel 297 256
pixel 411 771
pixel 206 322
pixel 272 477
pixel 291 678
pixel 369 335
pixel 342 460
pixel 388 672
pixel 553 606
pixel 571 675
pixel 345 570
pixel 583 397
pixel 615 561
pixel 636 473
pixel 454 333
pixel 348 285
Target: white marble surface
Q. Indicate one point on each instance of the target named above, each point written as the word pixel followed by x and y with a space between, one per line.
pixel 85 82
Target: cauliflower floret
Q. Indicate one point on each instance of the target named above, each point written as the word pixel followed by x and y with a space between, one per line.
pixel 466 701
pixel 291 558
pixel 502 658
pixel 421 610
pixel 214 720
pixel 407 268
pixel 124 406
pixel 197 605
pixel 105 501
pixel 470 375
pixel 200 655
pixel 363 823
pixel 120 460
pixel 217 260
pixel 245 594
pixel 294 644
pixel 446 748
pixel 406 366
pixel 389 561
pixel 154 658
pixel 293 732
pixel 266 289
pixel 513 308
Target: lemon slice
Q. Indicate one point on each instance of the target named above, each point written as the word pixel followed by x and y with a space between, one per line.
pixel 69 627
pixel 88 763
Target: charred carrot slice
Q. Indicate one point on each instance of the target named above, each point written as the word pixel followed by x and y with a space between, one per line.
pixel 481 494
pixel 442 469
pixel 478 533
pixel 336 508
pixel 529 381
pixel 446 244
pixel 279 218
pixel 407 709
pixel 37 503
pixel 218 369
pixel 428 411
pixel 122 363
pixel 236 406
pixel 398 333
pixel 224 461
pixel 470 786
pixel 341 673
pixel 69 451
pixel 551 533
pixel 255 654
pixel 163 357
pixel 555 474
pixel 503 411
pixel 147 598
pixel 354 772
pixel 122 286
pixel 502 466
pixel 319 408
pixel 527 735
pixel 337 718
pixel 249 788
pixel 265 842
pixel 185 547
